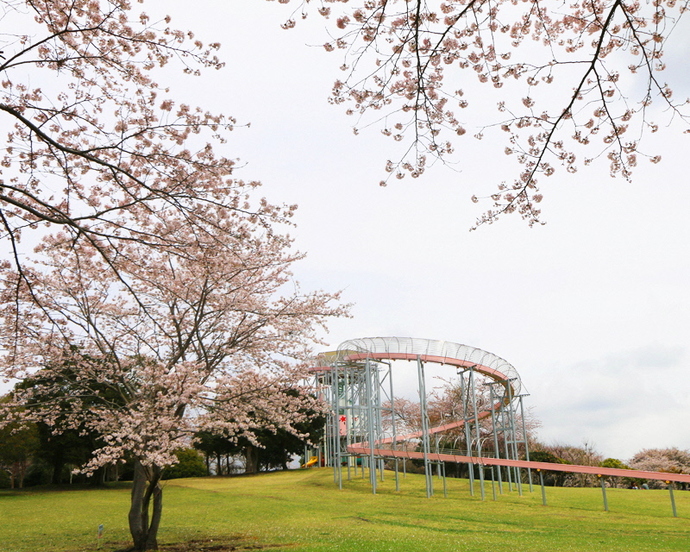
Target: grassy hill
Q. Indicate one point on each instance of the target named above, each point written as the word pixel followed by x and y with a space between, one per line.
pixel 304 511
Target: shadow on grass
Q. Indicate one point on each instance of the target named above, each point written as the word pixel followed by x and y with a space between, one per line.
pixel 42 489
pixel 223 544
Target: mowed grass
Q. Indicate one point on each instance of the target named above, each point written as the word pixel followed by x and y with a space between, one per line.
pixel 304 511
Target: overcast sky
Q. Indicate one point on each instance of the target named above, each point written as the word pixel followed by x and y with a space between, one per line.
pixel 592 309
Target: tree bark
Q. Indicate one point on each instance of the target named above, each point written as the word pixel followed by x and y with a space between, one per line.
pixel 251 459
pixel 145 486
pixel 58 464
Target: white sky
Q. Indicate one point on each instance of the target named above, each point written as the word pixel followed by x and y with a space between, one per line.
pixel 593 309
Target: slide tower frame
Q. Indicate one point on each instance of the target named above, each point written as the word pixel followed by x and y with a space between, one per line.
pixel 358 383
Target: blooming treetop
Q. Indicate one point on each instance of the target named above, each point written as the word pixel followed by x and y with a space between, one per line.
pixel 571 81
pixel 171 341
pixel 94 145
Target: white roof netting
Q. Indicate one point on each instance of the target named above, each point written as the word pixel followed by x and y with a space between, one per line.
pixel 433 348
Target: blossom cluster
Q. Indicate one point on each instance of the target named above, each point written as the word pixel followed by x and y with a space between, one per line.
pixel 565 76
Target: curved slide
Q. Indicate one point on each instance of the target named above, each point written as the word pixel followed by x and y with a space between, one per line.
pixel 312 461
pixel 488 364
pixel 546 466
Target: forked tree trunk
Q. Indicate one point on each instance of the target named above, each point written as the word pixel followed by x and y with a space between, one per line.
pixel 147 500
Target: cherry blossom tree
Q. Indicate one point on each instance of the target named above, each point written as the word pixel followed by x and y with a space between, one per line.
pixel 448 403
pixel 207 337
pixel 570 81
pixel 133 255
pixel 404 414
pixel 93 144
pixel 584 455
pixel 671 460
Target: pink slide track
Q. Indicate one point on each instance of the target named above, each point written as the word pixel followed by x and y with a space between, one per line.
pixel 362 353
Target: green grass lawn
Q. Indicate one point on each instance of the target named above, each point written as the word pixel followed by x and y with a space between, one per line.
pixel 304 511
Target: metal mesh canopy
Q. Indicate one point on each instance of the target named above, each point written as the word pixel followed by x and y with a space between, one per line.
pixel 440 351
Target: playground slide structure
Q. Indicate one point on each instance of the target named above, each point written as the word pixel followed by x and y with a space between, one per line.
pixel 312 461
pixel 358 382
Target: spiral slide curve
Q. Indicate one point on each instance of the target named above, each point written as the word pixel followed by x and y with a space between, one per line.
pixel 376 350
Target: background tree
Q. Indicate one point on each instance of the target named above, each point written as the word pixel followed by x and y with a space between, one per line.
pixel 267 449
pixel 189 464
pixel 62 452
pixel 454 402
pixel 18 447
pixel 404 413
pixel 551 478
pixel 618 464
pixel 216 449
pixel 571 81
pixel 277 448
pixel 585 455
pixel 672 460
pixel 451 404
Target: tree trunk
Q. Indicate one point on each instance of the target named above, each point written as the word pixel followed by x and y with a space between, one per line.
pixel 98 478
pixel 18 473
pixel 251 459
pixel 58 464
pixel 145 486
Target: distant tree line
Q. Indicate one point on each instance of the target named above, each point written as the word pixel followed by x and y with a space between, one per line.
pixel 668 460
pixel 451 403
pixel 270 450
pixel 34 454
